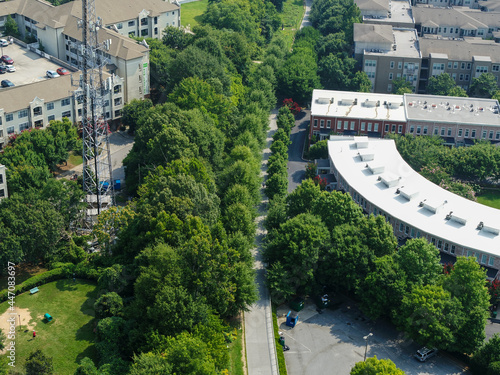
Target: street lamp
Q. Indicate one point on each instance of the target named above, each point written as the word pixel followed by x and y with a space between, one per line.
pixel 366 343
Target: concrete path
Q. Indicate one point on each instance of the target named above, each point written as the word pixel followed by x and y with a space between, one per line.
pixel 305 20
pixel 259 332
pixel 296 164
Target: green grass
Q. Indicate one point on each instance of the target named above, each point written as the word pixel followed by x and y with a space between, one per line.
pixel 291 16
pixel 191 12
pixel 279 350
pixel 490 198
pixel 69 336
pixel 75 159
pixel 235 350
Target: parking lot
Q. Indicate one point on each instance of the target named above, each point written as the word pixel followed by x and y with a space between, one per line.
pixel 30 67
pixel 332 342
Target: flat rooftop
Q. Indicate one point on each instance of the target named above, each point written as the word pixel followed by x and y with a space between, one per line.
pixel 405 44
pixel 420 203
pixel 451 109
pixel 30 67
pixel 400 11
pixel 352 104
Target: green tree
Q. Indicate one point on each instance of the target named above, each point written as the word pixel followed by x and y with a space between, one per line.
pixel 150 363
pixel 334 16
pixel 319 150
pixel 107 305
pixel 277 184
pixel 133 111
pixel 10 27
pixel 176 38
pixel 86 367
pixel 298 77
pixel 401 86
pixel 484 86
pixel 38 363
pixel 444 85
pixel 486 359
pixel 374 366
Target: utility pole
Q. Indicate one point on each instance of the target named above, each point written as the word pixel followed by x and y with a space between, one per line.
pixel 97 167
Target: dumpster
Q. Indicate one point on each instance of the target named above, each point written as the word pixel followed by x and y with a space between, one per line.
pixel 292 318
pixel 118 185
pixel 297 304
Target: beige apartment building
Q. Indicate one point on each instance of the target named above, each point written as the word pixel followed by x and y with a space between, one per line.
pixel 4 193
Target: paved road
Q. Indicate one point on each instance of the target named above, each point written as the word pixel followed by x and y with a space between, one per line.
pixel 296 165
pixel 259 332
pixel 305 20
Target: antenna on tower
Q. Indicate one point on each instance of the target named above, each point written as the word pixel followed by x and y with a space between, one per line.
pixel 97 167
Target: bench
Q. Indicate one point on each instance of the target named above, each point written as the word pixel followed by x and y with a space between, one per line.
pixel 48 317
pixel 34 290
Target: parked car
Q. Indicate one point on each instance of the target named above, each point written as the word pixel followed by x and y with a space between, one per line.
pixel 3 69
pixel 424 354
pixel 6 59
pixel 62 71
pixel 52 74
pixel 7 83
pixel 10 68
pixel 3 43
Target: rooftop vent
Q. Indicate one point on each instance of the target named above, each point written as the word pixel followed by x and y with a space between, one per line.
pixel 409 193
pixel 323 101
pixel 458 218
pixel 434 206
pixel 376 168
pixel 390 180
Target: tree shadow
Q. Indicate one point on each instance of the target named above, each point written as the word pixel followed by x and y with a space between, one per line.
pixel 66 285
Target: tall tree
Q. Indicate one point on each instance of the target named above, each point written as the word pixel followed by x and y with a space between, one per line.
pixel 374 366
pixel 38 363
pixel 444 85
pixel 484 86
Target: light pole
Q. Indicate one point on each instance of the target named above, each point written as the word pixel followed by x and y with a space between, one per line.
pixel 366 343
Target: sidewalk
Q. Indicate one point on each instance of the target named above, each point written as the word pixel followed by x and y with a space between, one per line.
pixel 259 332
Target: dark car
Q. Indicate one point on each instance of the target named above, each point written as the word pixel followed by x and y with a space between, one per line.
pixel 3 69
pixel 62 71
pixel 6 59
pixel 7 83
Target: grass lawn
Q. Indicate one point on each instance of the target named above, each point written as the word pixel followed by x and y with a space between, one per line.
pixel 75 159
pixel 235 351
pixel 293 11
pixel 191 12
pixel 69 336
pixel 490 198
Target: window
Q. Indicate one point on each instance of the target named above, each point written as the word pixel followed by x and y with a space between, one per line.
pixel 459 132
pixel 466 133
pixel 449 132
pixel 117 89
pixel 66 114
pixel 433 241
pixel 10 130
pixel 65 102
pixel 328 124
pixel 484 134
pixel 386 128
pixel 352 125
pixel 363 124
pixel 495 68
pixel 469 65
pixel 391 76
pixel 51 118
pixel 389 87
pixel 419 129
pixel 455 65
pixel 50 106
pixel 436 131
pixel 401 227
pixel 9 117
pixel 412 129
pixel 400 129
pixel 144 21
pixel 469 253
pixel 369 126
pixel 407 229
pixel 425 130
pixel 393 128
pixel 462 66
pixel 315 123
pixel 119 26
pixel 466 77
pixel 118 113
pixel 375 127
pixel 321 122
pixel 22 113
pixel 440 244
pixel 156 20
pixel 131 33
pixel 443 131
pixel 2 193
pixel 412 233
pixel 37 111
pixel 346 125
pixel 454 76
pixel 497 136
pixel 490 135
pixel 446 246
pixel 473 134
pixel 131 23
pixel 452 251
pixel 449 64
pixel 144 32
pixel 491 261
pixel 484 258
pixel 392 65
pixel 79 112
pixel 418 234
pixel 339 124
pixel 156 31
pixel 24 126
pixel 400 65
pixel 107 114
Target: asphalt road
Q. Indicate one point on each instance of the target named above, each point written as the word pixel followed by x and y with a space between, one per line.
pixel 296 165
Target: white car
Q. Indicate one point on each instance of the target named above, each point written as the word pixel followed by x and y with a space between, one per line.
pixel 52 74
pixel 10 68
pixel 424 354
pixel 3 43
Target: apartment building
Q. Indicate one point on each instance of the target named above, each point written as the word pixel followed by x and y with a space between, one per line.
pixel 386 54
pixel 472 4
pixel 459 121
pixel 375 175
pixel 489 5
pixel 397 13
pixel 455 22
pixel 4 193
pixel 35 105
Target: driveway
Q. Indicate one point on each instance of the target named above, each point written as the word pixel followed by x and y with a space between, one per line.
pixel 296 165
pixel 331 343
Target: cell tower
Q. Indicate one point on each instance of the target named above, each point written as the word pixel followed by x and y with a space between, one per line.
pixel 97 168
